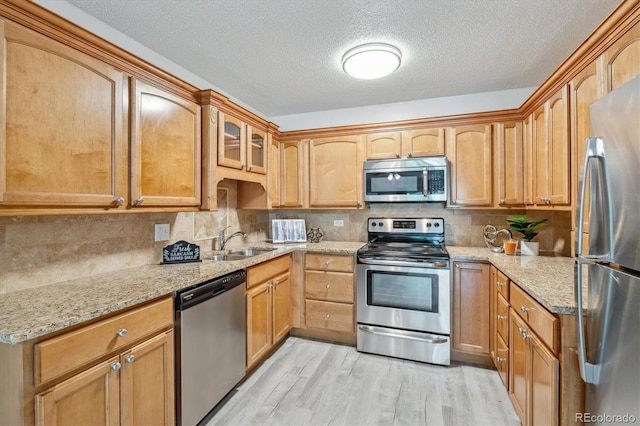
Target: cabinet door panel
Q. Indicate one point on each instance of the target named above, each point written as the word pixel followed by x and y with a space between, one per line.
pixel 332 286
pixel 622 59
pixel 540 156
pixel 281 307
pixel 544 385
pixel 291 174
pixel 424 142
pixel 64 138
pixel 383 145
pixel 232 138
pixel 165 148
pixel 510 160
pixel 259 325
pixel 559 148
pixel 335 172
pixel 471 307
pixel 469 151
pixel 273 172
pixel 256 150
pixel 518 365
pixel 147 382
pixel 90 397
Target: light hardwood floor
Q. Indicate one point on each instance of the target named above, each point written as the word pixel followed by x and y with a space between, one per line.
pixel 307 382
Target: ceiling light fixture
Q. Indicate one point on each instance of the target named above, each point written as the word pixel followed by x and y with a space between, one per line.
pixel 371 60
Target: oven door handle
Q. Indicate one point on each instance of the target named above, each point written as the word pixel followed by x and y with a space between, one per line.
pixel 401 263
pixel 378 332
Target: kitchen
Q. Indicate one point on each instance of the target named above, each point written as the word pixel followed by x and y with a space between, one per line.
pixel 55 249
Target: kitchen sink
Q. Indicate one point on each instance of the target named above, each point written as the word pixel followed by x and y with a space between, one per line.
pixel 239 254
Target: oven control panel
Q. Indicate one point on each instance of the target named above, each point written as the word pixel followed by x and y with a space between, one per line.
pixel 406 225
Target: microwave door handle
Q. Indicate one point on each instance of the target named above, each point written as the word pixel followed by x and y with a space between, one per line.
pixel 425 181
pixel 594 152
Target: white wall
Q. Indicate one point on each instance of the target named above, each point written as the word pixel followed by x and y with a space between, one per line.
pixel 479 102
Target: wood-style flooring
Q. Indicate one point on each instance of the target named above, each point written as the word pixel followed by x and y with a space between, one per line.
pixel 306 382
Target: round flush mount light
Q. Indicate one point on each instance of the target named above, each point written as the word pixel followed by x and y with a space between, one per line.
pixel 371 60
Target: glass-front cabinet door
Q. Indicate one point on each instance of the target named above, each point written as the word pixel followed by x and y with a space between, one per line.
pixel 231 142
pixel 256 150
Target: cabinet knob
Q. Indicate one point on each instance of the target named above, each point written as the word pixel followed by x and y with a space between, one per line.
pixel 499 284
pixel 409 154
pixel 119 201
pixel 122 332
pixel 276 282
pixel 327 316
pixel 243 165
pixel 397 155
pixel 359 204
pixel 116 366
pixel 250 168
pixel 139 200
pixel 502 201
pixel 500 359
pixel 130 358
pixel 501 317
pixel 523 333
pixel 270 285
pixel 524 310
pixel 326 263
pixel 328 286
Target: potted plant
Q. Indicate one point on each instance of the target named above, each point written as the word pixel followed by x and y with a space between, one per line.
pixel 529 229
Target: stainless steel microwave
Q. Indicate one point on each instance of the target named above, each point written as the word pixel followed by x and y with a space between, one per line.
pixel 406 180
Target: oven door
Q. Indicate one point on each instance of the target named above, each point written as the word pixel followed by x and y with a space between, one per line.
pixel 408 298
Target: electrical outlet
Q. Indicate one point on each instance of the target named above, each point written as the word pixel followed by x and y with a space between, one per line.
pixel 162 232
pixel 338 222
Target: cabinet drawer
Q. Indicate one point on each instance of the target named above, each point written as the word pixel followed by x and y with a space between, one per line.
pixel 502 360
pixel 64 353
pixel 266 270
pixel 502 284
pixel 331 286
pixel 502 318
pixel 328 262
pixel 329 315
pixel 541 321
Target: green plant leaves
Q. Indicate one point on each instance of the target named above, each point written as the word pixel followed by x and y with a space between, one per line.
pixel 528 229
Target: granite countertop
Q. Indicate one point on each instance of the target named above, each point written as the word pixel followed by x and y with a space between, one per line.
pixel 35 312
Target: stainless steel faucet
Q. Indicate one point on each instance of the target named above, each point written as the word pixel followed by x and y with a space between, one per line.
pixel 224 239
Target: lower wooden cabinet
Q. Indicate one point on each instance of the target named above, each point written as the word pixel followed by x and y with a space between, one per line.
pixel 133 386
pixel 268 301
pixel 470 308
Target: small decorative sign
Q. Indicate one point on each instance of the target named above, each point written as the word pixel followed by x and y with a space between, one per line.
pixel 181 252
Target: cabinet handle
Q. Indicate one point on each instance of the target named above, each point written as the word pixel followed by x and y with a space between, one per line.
pixel 326 263
pixel 276 282
pixel 327 316
pixel 116 366
pixel 243 165
pixel 359 204
pixel 524 310
pixel 119 201
pixel 397 155
pixel 139 200
pixel 523 333
pixel 457 266
pixel 328 286
pixel 502 201
pixel 130 358
pixel 250 168
pixel 122 332
pixel 501 317
pixel 499 284
pixel 500 359
pixel 270 285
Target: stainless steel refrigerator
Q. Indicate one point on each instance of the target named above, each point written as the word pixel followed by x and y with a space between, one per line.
pixel 609 333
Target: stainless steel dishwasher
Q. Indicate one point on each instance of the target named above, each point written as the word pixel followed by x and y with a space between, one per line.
pixel 210 344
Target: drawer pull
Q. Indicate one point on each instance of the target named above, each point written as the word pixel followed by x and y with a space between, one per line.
pixel 328 286
pixel 276 282
pixel 499 284
pixel 500 359
pixel 327 316
pixel 523 333
pixel 326 263
pixel 130 358
pixel 524 309
pixel 122 332
pixel 502 317
pixel 116 366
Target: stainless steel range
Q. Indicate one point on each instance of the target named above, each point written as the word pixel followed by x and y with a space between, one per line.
pixel 404 290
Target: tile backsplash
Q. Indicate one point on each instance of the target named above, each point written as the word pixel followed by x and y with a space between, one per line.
pixel 39 250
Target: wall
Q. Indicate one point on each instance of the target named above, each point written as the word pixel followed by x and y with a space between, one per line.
pixel 462 227
pixel 39 250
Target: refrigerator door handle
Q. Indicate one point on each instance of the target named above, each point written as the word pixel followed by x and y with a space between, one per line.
pixel 594 152
pixel 589 372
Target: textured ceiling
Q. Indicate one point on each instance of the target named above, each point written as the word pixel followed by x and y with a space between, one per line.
pixel 283 57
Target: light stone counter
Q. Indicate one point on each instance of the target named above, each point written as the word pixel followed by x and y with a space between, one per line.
pixel 549 280
pixel 35 312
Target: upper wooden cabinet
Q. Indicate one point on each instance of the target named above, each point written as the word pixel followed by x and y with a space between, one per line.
pixel 273 172
pixel 292 173
pixel 469 151
pixel 241 146
pixel 509 176
pixel 550 157
pixel 64 140
pixel 165 148
pixel 405 144
pixel 335 172
pixel 622 59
